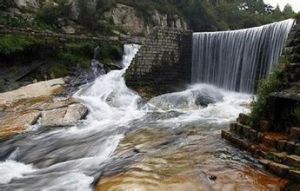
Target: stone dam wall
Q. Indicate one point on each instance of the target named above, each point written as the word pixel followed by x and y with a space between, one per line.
pixel 163 61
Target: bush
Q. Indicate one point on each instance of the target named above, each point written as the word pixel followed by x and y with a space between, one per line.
pixel 9 44
pixel 275 82
pixel 50 12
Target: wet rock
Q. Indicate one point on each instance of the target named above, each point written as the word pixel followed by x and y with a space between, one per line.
pixel 295 174
pixel 12 124
pixel 212 177
pixel 207 96
pixel 66 116
pixel 244 119
pixel 189 165
pixel 281 145
pixel 264 125
pixel 279 169
pixel 40 89
pixel 293 160
pixel 295 134
pixel 290 147
pixel 297 149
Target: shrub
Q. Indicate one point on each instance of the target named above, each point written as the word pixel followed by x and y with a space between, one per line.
pixel 275 82
pixel 50 12
pixel 9 44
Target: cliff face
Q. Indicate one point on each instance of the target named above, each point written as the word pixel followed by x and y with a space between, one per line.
pixel 119 18
pixel 131 20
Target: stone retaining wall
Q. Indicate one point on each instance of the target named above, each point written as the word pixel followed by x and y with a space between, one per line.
pixel 163 62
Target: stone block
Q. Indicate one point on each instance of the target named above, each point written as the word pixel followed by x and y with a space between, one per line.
pixel 281 145
pixel 293 160
pixel 268 141
pixel 295 175
pixel 290 147
pixel 253 135
pixel 233 127
pixel 244 119
pixel 264 125
pixel 297 149
pixel 295 134
pixel 279 169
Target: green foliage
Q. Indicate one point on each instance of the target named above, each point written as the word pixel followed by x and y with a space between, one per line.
pixel 24 23
pixel 276 81
pixel 50 12
pixel 59 70
pixel 9 44
pixel 110 52
pixel 201 15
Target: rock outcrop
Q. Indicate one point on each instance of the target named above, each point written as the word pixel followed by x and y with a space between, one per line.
pixel 63 117
pixel 128 18
pixel 28 4
pixel 38 104
pixel 42 89
pixel 122 18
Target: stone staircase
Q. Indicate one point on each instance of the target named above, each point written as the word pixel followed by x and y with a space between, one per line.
pixel 279 152
pixel 276 142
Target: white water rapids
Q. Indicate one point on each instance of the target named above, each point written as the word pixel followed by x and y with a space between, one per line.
pixel 73 158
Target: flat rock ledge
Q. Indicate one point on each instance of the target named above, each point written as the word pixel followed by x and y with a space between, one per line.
pixel 38 104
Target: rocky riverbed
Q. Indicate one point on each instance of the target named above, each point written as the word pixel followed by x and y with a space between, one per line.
pixel 38 104
pixel 106 137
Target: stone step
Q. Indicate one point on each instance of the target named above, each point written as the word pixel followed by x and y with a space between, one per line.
pixel 295 175
pixel 287 94
pixel 245 131
pixel 244 119
pixel 234 139
pixel 277 168
pixel 295 134
pixel 281 169
pixel 292 160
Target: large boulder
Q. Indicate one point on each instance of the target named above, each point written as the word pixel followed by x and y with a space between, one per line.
pixel 22 108
pixel 40 89
pixel 207 96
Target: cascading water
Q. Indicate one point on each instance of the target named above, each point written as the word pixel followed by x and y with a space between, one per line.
pixel 69 159
pixel 183 129
pixel 234 60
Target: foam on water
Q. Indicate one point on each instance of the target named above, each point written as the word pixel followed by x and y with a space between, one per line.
pixel 225 108
pixel 108 99
pixel 11 169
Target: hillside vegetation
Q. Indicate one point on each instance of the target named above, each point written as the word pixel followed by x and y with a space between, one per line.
pixel 201 15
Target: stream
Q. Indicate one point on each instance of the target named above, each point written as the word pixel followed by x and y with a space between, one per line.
pixel 171 142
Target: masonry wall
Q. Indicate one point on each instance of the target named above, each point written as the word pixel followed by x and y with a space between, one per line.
pixel 163 62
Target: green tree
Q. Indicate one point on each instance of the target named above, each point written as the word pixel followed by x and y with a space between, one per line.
pixel 288 11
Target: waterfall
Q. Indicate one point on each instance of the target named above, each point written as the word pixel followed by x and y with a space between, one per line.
pixel 235 60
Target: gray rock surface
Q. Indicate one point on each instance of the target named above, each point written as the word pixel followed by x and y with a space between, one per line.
pixel 65 116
